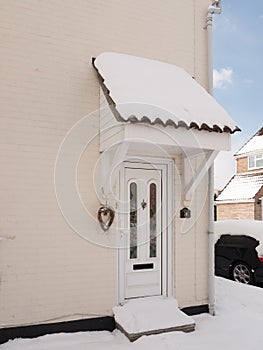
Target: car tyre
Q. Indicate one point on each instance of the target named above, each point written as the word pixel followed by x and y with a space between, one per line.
pixel 242 273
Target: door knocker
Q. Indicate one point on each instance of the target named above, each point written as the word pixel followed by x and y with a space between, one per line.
pixel 143 204
pixel 105 217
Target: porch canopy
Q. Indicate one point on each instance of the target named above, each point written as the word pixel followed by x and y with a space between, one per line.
pixel 141 92
pixel 154 108
pixel 144 91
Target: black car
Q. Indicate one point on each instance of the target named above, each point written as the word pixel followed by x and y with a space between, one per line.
pixel 236 258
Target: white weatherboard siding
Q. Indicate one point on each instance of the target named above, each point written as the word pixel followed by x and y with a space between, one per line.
pixel 48 273
pixel 191 264
pixel 142 87
pixel 241 188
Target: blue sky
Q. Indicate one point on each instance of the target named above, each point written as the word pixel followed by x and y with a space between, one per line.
pixel 238 79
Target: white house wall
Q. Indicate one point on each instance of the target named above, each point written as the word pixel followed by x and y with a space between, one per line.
pixel 191 241
pixel 49 273
pixel 111 131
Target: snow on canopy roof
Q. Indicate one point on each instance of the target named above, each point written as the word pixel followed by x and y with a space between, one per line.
pixel 253 145
pixel 242 187
pixel 148 91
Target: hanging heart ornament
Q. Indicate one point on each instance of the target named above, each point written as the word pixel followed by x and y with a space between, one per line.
pixel 105 217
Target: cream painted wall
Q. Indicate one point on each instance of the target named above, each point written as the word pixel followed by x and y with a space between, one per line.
pixel 47 272
pixel 191 242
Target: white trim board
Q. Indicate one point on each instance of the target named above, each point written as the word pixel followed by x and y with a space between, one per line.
pixel 178 140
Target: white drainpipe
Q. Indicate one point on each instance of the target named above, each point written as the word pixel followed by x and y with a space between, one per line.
pixel 215 8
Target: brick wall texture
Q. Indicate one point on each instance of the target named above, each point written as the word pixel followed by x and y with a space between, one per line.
pixel 236 211
pixel 242 165
pixel 258 205
pixel 241 211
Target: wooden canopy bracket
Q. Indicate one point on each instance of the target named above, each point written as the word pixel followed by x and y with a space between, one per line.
pixel 191 185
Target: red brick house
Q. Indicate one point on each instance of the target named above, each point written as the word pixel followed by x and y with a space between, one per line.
pixel 243 195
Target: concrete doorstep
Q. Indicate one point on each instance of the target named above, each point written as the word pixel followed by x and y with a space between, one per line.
pixel 151 315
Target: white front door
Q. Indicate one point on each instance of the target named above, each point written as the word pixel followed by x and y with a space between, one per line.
pixel 143 235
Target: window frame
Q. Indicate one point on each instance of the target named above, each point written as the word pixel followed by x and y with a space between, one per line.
pixel 255 157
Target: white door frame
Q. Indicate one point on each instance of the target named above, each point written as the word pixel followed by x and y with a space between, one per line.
pixel 166 166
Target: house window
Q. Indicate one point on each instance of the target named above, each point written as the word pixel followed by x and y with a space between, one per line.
pixel 255 161
pixel 133 220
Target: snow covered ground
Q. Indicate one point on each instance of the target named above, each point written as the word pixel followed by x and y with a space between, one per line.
pixel 237 326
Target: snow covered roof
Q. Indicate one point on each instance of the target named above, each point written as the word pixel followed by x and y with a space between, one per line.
pixel 242 187
pixel 253 145
pixel 154 92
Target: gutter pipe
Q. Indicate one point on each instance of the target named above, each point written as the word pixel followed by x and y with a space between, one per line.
pixel 215 8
